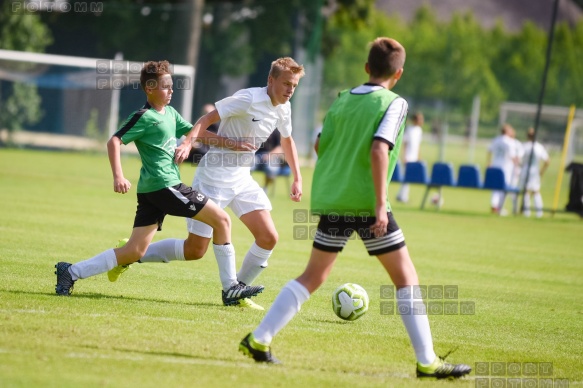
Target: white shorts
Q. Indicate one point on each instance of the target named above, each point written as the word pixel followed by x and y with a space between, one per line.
pixel 242 199
pixel 533 182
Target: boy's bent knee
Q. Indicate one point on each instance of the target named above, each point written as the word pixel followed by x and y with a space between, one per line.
pixel 194 250
pixel 221 221
pixel 193 254
pixel 267 240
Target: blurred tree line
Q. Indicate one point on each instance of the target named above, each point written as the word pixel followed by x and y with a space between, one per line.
pixel 448 63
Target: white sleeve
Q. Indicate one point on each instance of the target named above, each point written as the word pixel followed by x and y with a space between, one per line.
pixel 543 153
pixel 285 121
pixel 388 129
pixel 235 105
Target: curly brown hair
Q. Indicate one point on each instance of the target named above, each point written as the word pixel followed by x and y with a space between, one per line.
pixel 152 71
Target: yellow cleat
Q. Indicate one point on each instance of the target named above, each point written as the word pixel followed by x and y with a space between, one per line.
pixel 248 303
pixel 116 272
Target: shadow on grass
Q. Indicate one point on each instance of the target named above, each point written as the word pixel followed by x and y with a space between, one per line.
pixel 195 359
pixel 118 297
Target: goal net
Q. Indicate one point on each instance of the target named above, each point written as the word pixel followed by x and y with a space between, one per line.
pixel 78 96
pixel 552 126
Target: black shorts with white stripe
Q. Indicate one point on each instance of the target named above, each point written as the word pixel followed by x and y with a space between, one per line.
pixel 335 230
pixel 179 200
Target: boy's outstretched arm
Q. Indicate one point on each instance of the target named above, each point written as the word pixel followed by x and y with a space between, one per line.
pixel 379 157
pixel 120 183
pixel 291 156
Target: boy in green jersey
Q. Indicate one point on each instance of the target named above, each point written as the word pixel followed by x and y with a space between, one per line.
pixel 154 130
pixel 357 153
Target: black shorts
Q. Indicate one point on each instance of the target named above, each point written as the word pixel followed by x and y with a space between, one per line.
pixel 335 230
pixel 179 200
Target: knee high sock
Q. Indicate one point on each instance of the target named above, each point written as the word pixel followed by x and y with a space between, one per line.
pixel 538 204
pixel 287 304
pixel 101 263
pixel 164 251
pixel 414 317
pixel 254 263
pixel 403 194
pixel 225 255
pixel 496 198
pixel 527 204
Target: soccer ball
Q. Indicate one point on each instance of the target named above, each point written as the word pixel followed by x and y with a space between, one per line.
pixel 350 301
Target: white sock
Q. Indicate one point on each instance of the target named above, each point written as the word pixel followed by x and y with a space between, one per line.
pixel 414 316
pixel 225 255
pixel 495 200
pixel 164 251
pixel 538 204
pixel 403 193
pixel 514 203
pixel 254 263
pixel 526 205
pixel 101 263
pixel 284 308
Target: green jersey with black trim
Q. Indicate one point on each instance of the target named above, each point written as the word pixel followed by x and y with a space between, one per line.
pixel 155 137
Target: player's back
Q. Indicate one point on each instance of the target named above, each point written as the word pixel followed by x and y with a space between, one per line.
pixel 503 150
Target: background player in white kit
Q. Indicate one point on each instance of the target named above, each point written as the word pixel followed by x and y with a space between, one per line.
pixel 502 154
pixel 411 144
pixel 518 149
pixel 247 119
pixel 535 172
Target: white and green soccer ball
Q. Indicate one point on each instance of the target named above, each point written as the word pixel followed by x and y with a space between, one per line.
pixel 350 301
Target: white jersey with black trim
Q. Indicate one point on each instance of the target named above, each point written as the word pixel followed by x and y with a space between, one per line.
pixel 389 126
pixel 247 115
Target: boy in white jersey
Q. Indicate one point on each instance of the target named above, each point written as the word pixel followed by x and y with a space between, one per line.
pixel 411 146
pixel 502 154
pixel 154 130
pixel 357 153
pixel 247 119
pixel 535 173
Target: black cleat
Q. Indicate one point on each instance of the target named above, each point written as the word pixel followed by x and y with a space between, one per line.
pixel 64 280
pixel 238 292
pixel 256 351
pixel 442 370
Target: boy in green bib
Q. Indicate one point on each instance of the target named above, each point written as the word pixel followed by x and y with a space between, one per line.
pixel 358 149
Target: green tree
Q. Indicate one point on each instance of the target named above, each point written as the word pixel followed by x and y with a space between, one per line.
pixel 245 34
pixel 565 79
pixel 520 62
pixel 23 31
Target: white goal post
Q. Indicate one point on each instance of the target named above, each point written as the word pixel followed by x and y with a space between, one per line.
pixel 106 74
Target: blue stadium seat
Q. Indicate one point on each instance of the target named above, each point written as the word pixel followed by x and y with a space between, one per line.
pixel 397 175
pixel 469 176
pixel 441 175
pixel 416 172
pixel 494 180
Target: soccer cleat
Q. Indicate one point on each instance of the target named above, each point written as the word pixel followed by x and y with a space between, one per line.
pixel 257 351
pixel 440 369
pixel 64 280
pixel 248 303
pixel 240 291
pixel 116 272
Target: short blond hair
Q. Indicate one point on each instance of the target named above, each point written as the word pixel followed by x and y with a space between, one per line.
pixel 285 64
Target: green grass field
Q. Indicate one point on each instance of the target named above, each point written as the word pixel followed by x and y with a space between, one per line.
pixel 164 324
